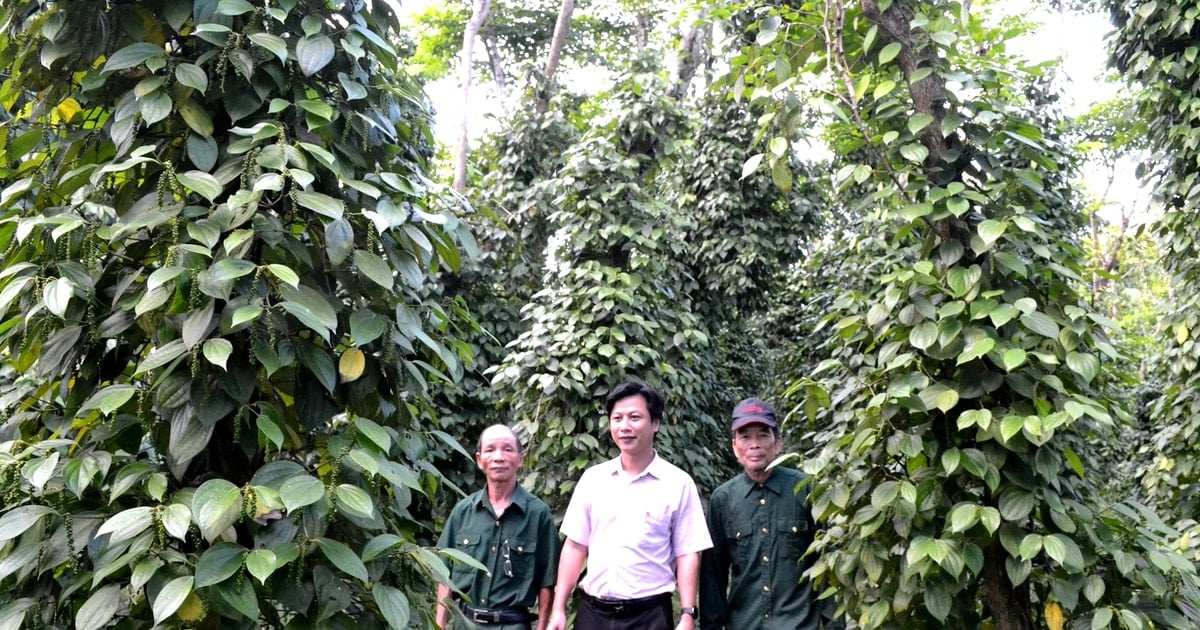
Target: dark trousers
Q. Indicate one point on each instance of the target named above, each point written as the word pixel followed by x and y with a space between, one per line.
pixel 596 615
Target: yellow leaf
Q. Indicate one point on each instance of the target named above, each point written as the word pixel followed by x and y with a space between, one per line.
pixel 1185 541
pixel 192 608
pixel 351 365
pixel 67 109
pixel 8 96
pixel 1054 616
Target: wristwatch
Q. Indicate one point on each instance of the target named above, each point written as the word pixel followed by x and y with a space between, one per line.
pixel 688 610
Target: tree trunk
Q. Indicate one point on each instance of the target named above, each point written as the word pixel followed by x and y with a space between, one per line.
pixel 928 93
pixel 1008 604
pixel 561 28
pixel 497 64
pixel 642 32
pixel 1110 257
pixel 693 50
pixel 478 17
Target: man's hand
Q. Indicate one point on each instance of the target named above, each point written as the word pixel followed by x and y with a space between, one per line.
pixel 558 620
pixel 686 622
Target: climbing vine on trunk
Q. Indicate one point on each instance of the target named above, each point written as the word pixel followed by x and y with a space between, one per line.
pixel 961 396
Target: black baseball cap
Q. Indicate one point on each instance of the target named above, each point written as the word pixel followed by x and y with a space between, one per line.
pixel 754 411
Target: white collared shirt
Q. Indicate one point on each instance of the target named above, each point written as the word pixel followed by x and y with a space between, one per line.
pixel 634 527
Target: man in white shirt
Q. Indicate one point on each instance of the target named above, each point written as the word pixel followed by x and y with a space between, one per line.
pixel 638 523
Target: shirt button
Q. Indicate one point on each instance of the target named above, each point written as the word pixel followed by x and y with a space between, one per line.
pixel 764 530
pixel 766 589
pixel 766 559
pixel 762 501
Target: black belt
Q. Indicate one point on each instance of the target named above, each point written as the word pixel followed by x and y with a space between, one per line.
pixel 486 616
pixel 626 607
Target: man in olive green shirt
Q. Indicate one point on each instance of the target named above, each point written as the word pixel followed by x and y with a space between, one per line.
pixel 510 532
pixel 761 527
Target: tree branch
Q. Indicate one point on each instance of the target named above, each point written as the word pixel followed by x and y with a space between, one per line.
pixel 497 65
pixel 562 28
pixel 691 53
pixel 836 50
pixel 478 17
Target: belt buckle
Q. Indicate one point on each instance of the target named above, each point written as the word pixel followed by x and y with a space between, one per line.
pixel 485 616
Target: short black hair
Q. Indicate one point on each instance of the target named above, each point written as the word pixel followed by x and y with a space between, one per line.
pixel 654 400
pixel 479 444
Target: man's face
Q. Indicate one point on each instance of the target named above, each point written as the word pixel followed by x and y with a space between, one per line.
pixel 630 425
pixel 755 446
pixel 499 455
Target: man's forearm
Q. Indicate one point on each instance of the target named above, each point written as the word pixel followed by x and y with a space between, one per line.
pixel 687 576
pixel 442 614
pixel 570 563
pixel 545 600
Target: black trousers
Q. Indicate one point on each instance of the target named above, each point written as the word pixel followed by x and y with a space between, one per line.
pixel 595 615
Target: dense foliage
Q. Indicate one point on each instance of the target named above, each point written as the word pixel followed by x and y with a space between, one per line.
pixel 219 347
pixel 615 299
pixel 963 383
pixel 1155 46
pixel 580 204
pixel 242 328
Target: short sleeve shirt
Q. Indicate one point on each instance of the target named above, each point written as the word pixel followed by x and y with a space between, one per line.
pixel 634 527
pixel 752 577
pixel 519 549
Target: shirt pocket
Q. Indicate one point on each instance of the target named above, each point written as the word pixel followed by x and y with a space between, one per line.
pixel 794 535
pixel 522 554
pixel 739 537
pixel 646 522
pixel 470 543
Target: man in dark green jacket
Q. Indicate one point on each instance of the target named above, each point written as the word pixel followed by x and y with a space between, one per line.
pixel 510 532
pixel 761 527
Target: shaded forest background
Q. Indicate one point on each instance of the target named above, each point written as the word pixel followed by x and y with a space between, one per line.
pixel 252 310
